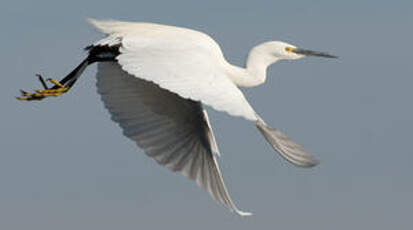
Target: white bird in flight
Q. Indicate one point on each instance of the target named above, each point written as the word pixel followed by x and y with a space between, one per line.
pixel 155 79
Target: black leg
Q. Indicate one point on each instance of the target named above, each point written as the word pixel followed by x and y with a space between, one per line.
pixel 96 54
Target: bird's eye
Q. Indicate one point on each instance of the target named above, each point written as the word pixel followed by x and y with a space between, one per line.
pixel 289 49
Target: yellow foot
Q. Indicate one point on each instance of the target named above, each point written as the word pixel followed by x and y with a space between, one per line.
pixel 58 90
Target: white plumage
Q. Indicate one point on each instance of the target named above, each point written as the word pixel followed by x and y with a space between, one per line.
pixel 165 55
pixel 164 75
pixel 172 130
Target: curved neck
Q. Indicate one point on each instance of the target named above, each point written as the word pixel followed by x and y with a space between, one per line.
pixel 255 73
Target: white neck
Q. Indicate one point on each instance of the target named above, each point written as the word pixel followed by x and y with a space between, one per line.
pixel 255 73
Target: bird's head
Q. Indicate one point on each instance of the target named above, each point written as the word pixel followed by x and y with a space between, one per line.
pixel 285 51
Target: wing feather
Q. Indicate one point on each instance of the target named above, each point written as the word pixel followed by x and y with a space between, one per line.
pixel 186 62
pixel 172 130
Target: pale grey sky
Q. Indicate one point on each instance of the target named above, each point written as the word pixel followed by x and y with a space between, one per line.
pixel 65 165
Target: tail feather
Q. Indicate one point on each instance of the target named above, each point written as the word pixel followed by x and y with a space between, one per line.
pixel 291 151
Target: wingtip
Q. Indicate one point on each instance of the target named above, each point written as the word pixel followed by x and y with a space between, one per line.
pixel 305 162
pixel 315 163
pixel 288 149
pixel 91 21
pixel 241 213
pixel 310 163
pixel 95 23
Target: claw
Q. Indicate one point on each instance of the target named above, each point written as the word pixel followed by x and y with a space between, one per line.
pixel 55 82
pixel 24 93
pixel 46 92
pixel 31 97
pixel 42 81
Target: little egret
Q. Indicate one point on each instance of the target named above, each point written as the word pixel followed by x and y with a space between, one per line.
pixel 155 79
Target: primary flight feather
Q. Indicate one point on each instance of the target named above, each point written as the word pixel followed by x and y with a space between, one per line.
pixel 154 80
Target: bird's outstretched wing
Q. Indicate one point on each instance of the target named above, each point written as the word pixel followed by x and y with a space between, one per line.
pixel 188 63
pixel 172 130
pixel 183 61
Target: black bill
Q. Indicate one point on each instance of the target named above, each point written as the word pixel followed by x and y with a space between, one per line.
pixel 313 53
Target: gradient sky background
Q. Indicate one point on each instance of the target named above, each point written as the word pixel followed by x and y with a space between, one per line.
pixel 65 165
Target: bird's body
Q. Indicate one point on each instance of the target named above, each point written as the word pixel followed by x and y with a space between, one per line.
pixel 154 80
pixel 184 61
